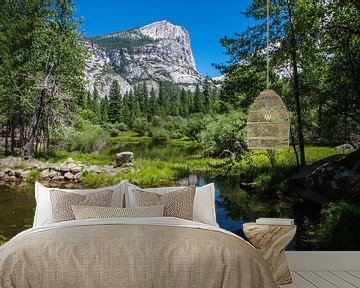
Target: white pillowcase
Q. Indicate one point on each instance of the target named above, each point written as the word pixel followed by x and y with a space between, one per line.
pixel 204 202
pixel 43 212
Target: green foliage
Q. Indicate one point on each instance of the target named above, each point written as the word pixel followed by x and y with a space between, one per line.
pixel 2 240
pixel 340 227
pixel 42 62
pixel 114 111
pixel 225 132
pixel 84 137
pixel 149 173
pixel 159 136
pixel 140 126
pixel 195 125
pixel 129 40
pixel 33 176
pixel 321 97
pixel 90 116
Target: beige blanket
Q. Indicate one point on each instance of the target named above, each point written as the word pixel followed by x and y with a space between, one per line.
pixel 122 253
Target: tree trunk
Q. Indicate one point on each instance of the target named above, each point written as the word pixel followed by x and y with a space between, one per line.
pixel 294 147
pixel 7 137
pixel 12 136
pixel 28 149
pixel 296 86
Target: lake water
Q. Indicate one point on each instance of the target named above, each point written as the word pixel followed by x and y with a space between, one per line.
pixel 234 206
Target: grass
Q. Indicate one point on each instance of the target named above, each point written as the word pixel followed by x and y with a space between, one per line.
pixel 130 137
pixel 255 166
pixel 34 175
pixel 148 173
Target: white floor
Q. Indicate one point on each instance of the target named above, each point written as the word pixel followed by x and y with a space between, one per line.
pixel 324 269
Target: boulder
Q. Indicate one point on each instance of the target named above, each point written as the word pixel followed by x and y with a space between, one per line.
pixel 13 178
pixel 63 169
pixel 58 178
pixel 52 174
pixel 18 173
pixel 345 146
pixel 68 176
pixel 69 160
pixel 2 174
pixel 94 169
pixel 9 172
pixel 45 174
pixel 124 158
pixel 77 176
pixel 338 179
pixel 25 173
pixel 76 169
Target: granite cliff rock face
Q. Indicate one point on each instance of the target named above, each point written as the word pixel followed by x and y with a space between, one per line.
pixel 160 51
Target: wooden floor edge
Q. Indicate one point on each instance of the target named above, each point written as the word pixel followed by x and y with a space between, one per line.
pixel 323 260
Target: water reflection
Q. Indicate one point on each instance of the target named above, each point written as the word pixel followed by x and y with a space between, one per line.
pixel 158 152
pixel 235 206
pixel 17 208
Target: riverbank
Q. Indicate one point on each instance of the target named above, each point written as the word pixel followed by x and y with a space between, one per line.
pixel 159 165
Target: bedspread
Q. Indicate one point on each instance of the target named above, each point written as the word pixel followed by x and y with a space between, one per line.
pixel 144 252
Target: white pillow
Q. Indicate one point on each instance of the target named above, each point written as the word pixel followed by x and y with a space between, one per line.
pixel 204 202
pixel 43 212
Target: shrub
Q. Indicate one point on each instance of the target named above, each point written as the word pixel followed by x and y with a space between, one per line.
pixel 340 227
pixel 140 126
pixel 156 121
pixel 114 132
pixel 225 132
pixel 121 126
pixel 195 125
pixel 159 136
pixel 90 116
pixel 84 137
pixel 34 175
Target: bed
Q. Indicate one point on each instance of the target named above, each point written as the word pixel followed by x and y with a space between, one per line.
pixel 131 251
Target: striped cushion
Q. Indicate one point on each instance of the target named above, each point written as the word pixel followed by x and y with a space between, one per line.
pixel 93 212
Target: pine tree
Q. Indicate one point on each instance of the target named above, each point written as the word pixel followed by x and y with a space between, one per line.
pixel 144 94
pixel 96 103
pixel 184 109
pixel 153 105
pixel 114 102
pixel 198 100
pixel 206 93
pixel 163 100
pixel 104 108
pixel 127 119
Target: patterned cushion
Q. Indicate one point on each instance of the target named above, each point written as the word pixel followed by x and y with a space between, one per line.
pixel 177 204
pixel 61 202
pixel 93 212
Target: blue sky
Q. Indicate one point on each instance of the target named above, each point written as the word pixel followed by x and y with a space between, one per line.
pixel 206 21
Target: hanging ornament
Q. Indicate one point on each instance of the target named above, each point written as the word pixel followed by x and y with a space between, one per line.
pixel 274 132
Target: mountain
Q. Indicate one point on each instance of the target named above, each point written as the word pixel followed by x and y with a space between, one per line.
pixel 160 51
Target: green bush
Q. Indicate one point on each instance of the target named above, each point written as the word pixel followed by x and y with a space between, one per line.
pixel 196 124
pixel 225 132
pixel 140 126
pixel 114 132
pixel 156 121
pixel 90 116
pixel 34 175
pixel 159 136
pixel 340 227
pixel 85 137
